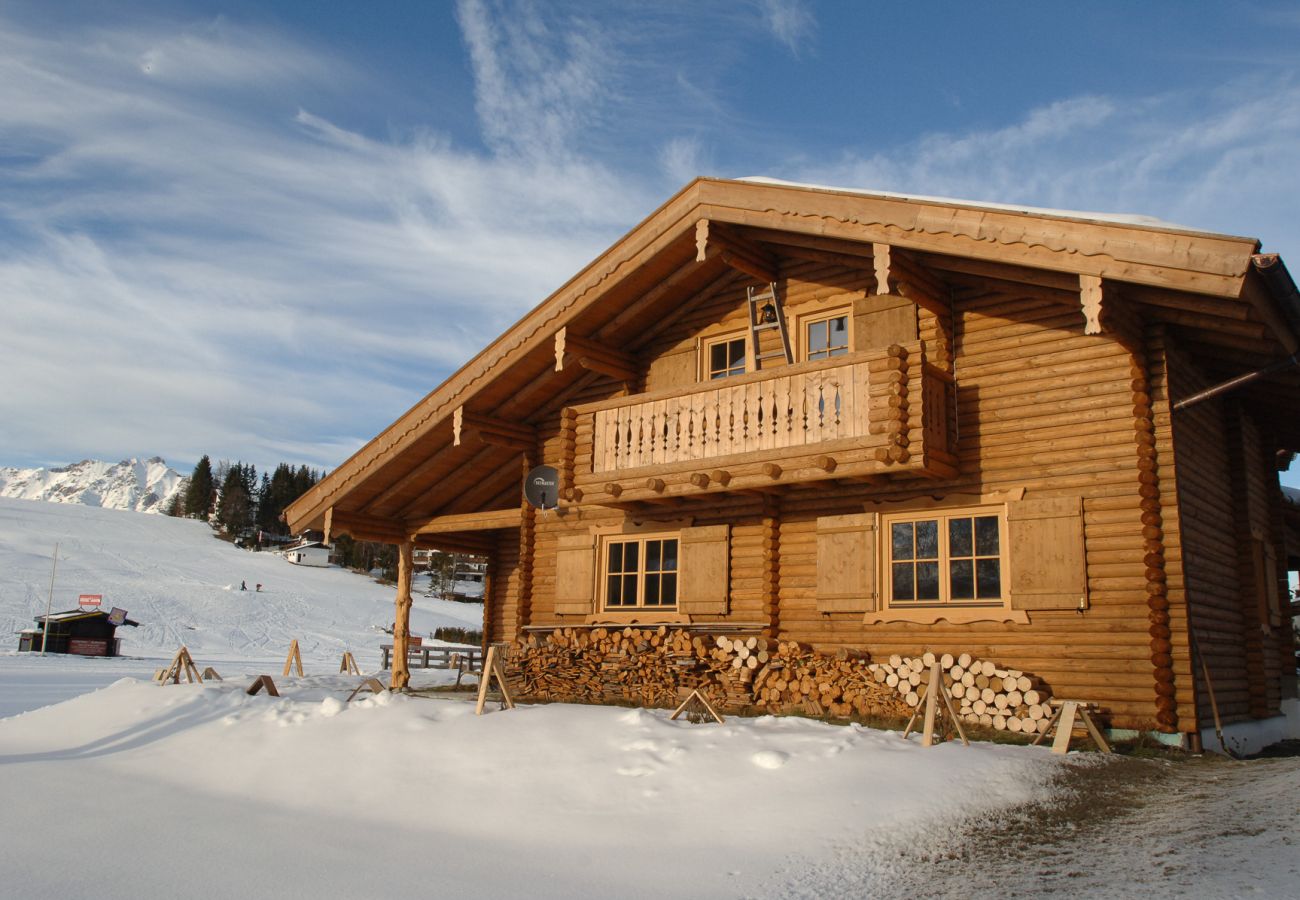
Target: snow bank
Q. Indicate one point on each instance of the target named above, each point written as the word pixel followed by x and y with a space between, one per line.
pixel 202 789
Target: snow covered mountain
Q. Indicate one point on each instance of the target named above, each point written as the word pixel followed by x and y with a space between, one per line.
pixel 140 485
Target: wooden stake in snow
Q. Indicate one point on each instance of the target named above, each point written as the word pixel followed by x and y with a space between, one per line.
pixel 696 698
pixel 373 684
pixel 294 658
pixel 210 672
pixel 182 662
pixel 349 665
pixel 263 681
pixel 931 695
pixel 492 669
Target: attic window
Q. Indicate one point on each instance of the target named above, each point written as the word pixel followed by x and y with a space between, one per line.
pixel 826 336
pixel 724 357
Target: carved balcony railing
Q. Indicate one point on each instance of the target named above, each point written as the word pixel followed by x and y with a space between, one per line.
pixel 872 413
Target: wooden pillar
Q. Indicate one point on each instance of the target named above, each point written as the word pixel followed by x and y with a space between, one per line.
pixel 527 524
pixel 402 622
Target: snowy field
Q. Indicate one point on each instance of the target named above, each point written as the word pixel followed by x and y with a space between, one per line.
pixel 203 791
pixel 182 585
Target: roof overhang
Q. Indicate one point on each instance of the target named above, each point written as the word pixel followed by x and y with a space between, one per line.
pixel 400 479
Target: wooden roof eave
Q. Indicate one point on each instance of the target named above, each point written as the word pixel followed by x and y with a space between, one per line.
pixel 535 329
pixel 1164 257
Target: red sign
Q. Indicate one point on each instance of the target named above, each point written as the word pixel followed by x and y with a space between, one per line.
pixel 414 642
pixel 90 600
pixel 88 647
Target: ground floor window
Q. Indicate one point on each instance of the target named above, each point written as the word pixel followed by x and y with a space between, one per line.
pixel 950 557
pixel 640 572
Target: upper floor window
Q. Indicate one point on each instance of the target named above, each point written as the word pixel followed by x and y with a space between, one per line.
pixel 826 336
pixel 724 357
pixel 641 572
pixel 951 557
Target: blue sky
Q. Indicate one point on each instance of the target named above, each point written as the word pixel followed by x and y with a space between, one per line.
pixel 263 230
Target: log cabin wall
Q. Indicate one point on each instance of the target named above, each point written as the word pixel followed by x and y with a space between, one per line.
pixel 1045 408
pixel 1039 406
pixel 1227 512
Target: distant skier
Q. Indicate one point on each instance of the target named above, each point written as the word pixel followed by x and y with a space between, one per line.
pixel 243 585
pixel 259 587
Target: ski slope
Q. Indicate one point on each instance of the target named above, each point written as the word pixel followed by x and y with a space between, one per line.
pixel 182 585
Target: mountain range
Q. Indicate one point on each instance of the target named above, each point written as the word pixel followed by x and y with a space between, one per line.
pixel 141 485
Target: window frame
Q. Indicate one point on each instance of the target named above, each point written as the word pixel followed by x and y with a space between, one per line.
pixel 805 321
pixel 885 568
pixel 641 539
pixel 706 353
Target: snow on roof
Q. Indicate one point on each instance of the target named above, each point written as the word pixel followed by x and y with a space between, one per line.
pixel 1291 495
pixel 1111 218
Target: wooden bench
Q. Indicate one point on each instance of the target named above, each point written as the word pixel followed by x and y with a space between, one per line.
pixel 437 657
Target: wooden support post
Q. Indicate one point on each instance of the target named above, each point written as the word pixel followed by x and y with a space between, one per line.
pixel 931 703
pixel 1063 727
pixel 492 668
pixel 401 675
pixel 1064 721
pixel 349 664
pixel 210 672
pixel 294 659
pixel 931 695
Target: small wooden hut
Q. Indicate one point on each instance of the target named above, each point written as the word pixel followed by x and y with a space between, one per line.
pixel 76 631
pixel 876 426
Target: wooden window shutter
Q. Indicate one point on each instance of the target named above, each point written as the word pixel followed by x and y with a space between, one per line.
pixel 846 563
pixel 704 577
pixel 575 574
pixel 883 319
pixel 1045 551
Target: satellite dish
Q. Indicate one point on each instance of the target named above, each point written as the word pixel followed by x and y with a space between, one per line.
pixel 542 487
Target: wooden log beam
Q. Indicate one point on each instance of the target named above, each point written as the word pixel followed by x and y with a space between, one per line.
pixel 1254 293
pixel 412 478
pixel 594 356
pixel 737 252
pixel 476 521
pixel 497 432
pixel 896 273
pixel 362 527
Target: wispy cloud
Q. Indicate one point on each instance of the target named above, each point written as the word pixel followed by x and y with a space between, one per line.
pixel 789 21
pixel 183 274
pixel 1202 159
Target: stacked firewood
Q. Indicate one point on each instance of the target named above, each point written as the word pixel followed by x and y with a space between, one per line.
pixel 660 666
pixel 986 693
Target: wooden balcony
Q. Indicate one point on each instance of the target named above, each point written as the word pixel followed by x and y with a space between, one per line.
pixel 864 415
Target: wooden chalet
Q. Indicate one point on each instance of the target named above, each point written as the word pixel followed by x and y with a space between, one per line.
pixel 881 425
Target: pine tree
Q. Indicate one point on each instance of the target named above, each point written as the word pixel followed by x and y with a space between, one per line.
pixel 198 493
pixel 235 508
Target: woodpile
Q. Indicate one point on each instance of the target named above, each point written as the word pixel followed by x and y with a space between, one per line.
pixel 661 666
pixel 983 692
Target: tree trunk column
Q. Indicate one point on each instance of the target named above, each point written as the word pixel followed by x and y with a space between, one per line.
pixel 402 622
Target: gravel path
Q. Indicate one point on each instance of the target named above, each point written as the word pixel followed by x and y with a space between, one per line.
pixel 1118 827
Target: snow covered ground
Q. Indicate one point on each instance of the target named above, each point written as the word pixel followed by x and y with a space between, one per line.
pixel 182 585
pixel 203 791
